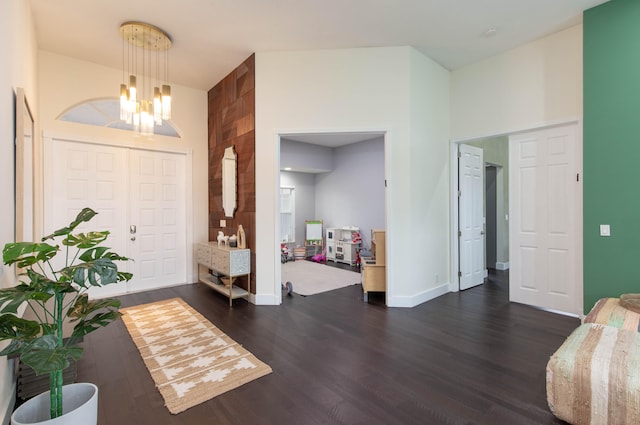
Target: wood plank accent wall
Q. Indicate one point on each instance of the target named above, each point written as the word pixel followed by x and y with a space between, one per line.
pixel 231 105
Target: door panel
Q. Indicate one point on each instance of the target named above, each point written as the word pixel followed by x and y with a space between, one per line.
pixel 471 230
pixel 545 225
pixel 157 212
pixel 94 176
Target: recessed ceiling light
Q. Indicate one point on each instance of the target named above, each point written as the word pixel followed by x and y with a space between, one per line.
pixel 490 32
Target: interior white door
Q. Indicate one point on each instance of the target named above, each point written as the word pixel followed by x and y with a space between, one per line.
pixel 545 216
pixel 157 223
pixel 127 187
pixel 471 222
pixel 95 176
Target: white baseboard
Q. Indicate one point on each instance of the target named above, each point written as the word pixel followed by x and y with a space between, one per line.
pixel 502 266
pixel 263 299
pixel 422 297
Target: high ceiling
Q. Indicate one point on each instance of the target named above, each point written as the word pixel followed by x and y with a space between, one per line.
pixel 211 37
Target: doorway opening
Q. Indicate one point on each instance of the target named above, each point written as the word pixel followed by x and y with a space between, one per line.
pixel 490 172
pixel 484 211
pixel 497 213
pixel 338 178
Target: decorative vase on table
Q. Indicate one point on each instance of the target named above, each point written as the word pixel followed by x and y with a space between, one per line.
pixel 242 239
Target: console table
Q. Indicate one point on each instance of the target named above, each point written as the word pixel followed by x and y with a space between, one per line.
pixel 230 262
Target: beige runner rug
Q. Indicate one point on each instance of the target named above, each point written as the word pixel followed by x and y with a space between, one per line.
pixel 190 360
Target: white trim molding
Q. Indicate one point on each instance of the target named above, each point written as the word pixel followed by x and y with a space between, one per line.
pixel 422 297
pixel 502 266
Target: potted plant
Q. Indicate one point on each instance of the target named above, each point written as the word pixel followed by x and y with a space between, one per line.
pixel 57 294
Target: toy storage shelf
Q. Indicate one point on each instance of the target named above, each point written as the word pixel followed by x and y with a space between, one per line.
pixel 340 245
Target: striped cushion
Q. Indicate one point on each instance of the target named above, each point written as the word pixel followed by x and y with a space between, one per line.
pixel 608 311
pixel 594 377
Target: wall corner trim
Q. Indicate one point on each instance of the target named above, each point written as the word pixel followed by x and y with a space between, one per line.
pixel 264 299
pixel 7 409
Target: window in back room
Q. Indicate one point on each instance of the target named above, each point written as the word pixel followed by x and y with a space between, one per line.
pixel 287 215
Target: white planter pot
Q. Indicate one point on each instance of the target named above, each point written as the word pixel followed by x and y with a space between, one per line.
pixel 79 403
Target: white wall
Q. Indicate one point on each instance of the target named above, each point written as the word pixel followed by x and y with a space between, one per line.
pixel 533 85
pixel 353 194
pixel 18 51
pixel 367 89
pixel 424 239
pixel 305 157
pixel 66 82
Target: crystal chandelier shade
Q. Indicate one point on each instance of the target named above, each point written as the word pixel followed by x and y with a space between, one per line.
pixel 145 94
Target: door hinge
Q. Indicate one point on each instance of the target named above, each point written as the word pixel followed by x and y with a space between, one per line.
pixel 459 274
pixel 459 154
pixel 459 194
pixel 459 233
pixel 578 177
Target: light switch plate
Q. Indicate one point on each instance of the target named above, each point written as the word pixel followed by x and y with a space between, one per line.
pixel 605 230
pixel 223 223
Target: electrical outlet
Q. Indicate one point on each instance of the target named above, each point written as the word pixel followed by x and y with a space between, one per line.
pixel 436 278
pixel 223 223
pixel 605 230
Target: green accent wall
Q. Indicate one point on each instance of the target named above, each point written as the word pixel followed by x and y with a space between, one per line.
pixel 611 149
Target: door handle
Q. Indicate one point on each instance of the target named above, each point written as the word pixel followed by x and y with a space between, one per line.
pixel 482 232
pixel 132 230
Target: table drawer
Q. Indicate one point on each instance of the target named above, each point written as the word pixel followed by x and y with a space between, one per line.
pixel 203 254
pixel 220 261
pixel 224 260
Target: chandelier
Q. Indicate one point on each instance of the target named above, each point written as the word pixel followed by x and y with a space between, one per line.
pixel 146 100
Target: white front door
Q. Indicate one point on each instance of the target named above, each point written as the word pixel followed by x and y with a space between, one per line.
pixel 127 187
pixel 157 219
pixel 87 175
pixel 471 221
pixel 545 219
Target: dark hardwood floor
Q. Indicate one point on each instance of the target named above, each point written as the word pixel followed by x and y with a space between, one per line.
pixel 464 358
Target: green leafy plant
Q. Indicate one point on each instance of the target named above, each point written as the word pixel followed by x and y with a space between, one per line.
pixel 55 296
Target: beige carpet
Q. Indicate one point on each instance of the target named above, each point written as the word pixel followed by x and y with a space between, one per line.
pixel 310 278
pixel 190 360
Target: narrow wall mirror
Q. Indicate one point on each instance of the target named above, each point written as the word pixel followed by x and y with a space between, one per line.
pixel 24 168
pixel 229 184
